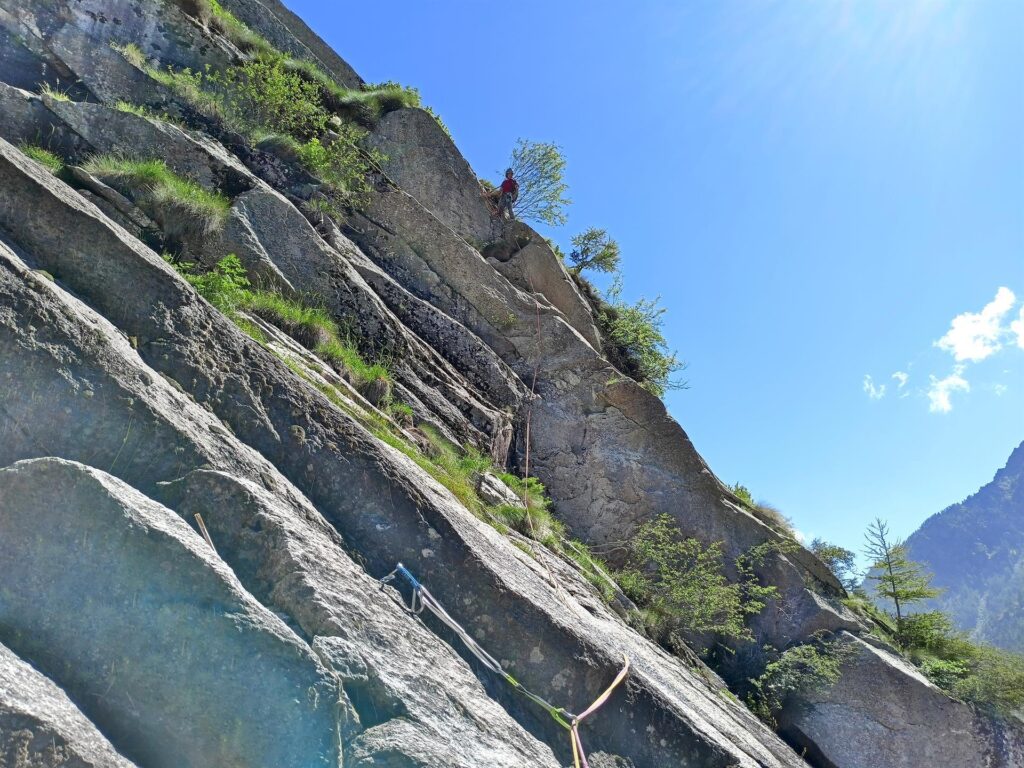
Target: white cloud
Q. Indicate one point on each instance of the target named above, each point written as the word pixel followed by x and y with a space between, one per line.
pixel 901 379
pixel 874 391
pixel 976 335
pixel 1000 389
pixel 1017 328
pixel 940 390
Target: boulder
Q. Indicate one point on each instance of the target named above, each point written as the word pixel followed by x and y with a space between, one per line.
pixel 40 727
pixel 883 712
pixel 131 612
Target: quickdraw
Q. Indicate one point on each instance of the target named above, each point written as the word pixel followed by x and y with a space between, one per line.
pixel 422 599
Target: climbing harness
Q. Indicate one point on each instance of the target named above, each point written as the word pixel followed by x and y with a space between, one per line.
pixel 422 599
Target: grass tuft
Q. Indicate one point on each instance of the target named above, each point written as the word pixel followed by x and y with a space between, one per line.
pixel 134 109
pixel 44 157
pixel 132 54
pixel 180 205
pixel 53 93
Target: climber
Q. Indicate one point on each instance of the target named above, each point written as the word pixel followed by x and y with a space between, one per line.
pixel 506 195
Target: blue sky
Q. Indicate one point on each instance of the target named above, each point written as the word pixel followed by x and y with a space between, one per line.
pixel 819 191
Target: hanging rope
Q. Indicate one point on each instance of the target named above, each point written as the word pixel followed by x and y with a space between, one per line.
pixel 422 599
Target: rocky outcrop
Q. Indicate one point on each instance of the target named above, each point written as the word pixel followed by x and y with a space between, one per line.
pixel 41 727
pixel 128 609
pixel 884 712
pixel 423 161
pixel 386 507
pixel 128 404
pixel 127 418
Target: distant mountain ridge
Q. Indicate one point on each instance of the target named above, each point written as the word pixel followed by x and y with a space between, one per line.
pixel 976 551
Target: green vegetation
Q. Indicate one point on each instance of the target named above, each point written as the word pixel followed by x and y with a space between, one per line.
pixel 682 587
pixel 132 54
pixel 535 520
pixel 637 345
pixel 317 122
pixel 234 30
pixel 44 157
pixel 54 93
pixel 409 97
pixel 594 250
pixel 898 578
pixel 842 562
pixel 227 287
pixel 272 100
pixel 540 170
pixel 180 205
pixel 989 677
pixel 266 94
pixel 798 669
pixel 134 109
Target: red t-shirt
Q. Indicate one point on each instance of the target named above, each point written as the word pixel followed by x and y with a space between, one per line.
pixel 509 186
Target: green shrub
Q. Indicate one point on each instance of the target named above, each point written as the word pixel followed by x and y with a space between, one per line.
pixel 273 104
pixel 995 680
pixel 180 205
pixel 190 86
pixel 743 493
pixel 225 286
pixel 264 93
pixel 682 586
pixel 637 345
pixel 390 95
pixel 801 668
pixel 342 163
pixel 44 157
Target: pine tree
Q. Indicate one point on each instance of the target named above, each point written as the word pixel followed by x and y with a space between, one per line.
pixel 898 578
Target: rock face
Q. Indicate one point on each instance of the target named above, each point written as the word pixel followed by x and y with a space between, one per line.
pixel 883 712
pixel 974 550
pixel 204 675
pixel 40 726
pixel 128 405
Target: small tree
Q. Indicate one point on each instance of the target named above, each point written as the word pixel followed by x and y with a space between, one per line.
pixel 539 169
pixel 682 586
pixel 898 578
pixel 841 561
pixel 594 250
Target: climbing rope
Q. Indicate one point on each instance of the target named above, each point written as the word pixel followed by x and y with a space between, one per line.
pixel 422 599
